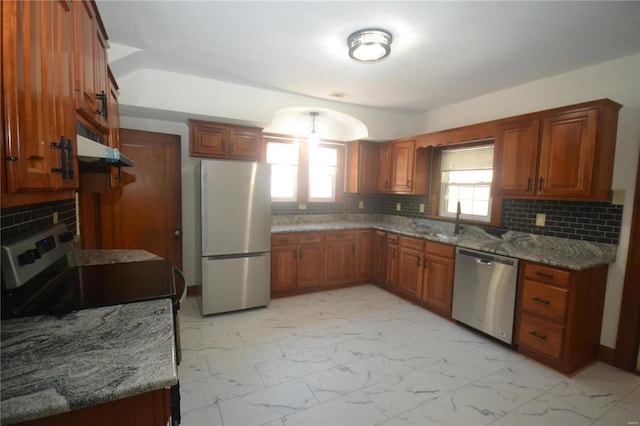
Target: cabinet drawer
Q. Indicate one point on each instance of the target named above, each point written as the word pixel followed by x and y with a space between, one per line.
pixel 547 274
pixel 541 335
pixel 284 239
pixel 392 238
pixel 412 243
pixel 444 250
pixel 341 236
pixel 310 237
pixel 545 300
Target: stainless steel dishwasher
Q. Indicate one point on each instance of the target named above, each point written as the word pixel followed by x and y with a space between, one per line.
pixel 484 292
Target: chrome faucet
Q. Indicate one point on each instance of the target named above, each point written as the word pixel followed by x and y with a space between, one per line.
pixel 456 231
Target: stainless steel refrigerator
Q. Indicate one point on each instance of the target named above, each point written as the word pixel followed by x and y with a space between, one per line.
pixel 235 213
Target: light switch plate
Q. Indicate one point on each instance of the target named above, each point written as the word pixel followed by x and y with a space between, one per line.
pixel 54 217
pixel 361 204
pixel 302 206
pixel 541 219
pixel 617 197
pixel 398 207
pixel 421 207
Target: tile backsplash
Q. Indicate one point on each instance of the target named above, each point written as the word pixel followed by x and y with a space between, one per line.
pixel 18 220
pixel 579 220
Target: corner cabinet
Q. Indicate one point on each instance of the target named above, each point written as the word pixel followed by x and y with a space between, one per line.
pixel 37 86
pixel 560 315
pixel 565 153
pixel 217 140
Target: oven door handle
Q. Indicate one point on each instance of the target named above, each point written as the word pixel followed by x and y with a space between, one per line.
pixel 179 273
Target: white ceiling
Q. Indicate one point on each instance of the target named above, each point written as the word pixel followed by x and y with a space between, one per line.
pixel 442 52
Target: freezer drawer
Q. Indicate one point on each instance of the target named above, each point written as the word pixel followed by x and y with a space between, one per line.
pixel 230 284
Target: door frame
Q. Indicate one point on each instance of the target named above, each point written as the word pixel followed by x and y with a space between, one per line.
pixel 626 351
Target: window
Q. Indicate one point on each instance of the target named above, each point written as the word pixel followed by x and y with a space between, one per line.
pixel 283 158
pixel 323 165
pixel 303 173
pixel 466 176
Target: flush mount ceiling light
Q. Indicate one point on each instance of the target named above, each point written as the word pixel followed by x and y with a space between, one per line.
pixel 369 45
pixel 314 135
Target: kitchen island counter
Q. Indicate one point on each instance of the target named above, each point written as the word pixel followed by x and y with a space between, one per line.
pixel 54 365
pixel 554 251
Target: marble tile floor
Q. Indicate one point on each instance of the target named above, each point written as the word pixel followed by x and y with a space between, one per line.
pixel 362 356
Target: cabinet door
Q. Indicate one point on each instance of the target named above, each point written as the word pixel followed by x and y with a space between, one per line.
pixel 391 261
pixel 208 141
pixel 384 168
pixel 567 149
pixel 339 262
pixel 402 157
pixel 283 267
pixel 244 144
pixel 310 265
pixel 438 283
pixel 410 271
pixel 516 154
pixel 365 242
pixel 36 76
pixel 101 88
pixel 368 168
pixel 378 257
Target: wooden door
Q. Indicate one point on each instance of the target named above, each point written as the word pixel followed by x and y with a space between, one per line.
pixel 378 257
pixel 402 166
pixel 567 147
pixel 310 265
pixel 283 267
pixel 365 241
pixel 410 271
pixel 516 154
pixel 146 212
pixel 384 168
pixel 438 283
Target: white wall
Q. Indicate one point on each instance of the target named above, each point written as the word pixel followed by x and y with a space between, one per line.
pixel 617 80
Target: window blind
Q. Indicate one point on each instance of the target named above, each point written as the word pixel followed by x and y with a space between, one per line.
pixel 471 158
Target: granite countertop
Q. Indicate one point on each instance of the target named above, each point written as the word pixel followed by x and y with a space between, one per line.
pixel 554 251
pixel 53 365
pixel 86 257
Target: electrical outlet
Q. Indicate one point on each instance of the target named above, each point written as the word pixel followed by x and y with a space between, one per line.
pixel 541 219
pixel 617 197
pixel 361 204
pixel 421 207
pixel 302 206
pixel 54 216
pixel 398 207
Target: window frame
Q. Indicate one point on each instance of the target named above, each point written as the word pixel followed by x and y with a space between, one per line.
pixel 495 202
pixel 303 167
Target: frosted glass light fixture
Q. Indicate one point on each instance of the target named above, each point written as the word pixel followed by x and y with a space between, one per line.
pixel 369 45
pixel 314 135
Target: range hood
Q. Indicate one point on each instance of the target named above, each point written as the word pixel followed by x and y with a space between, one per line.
pixel 95 155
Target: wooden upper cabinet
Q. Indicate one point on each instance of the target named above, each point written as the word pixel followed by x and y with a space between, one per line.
pixel 90 65
pixel 402 162
pixel 516 158
pixel 216 140
pixel 37 84
pixel 384 168
pixel 566 153
pixel 362 167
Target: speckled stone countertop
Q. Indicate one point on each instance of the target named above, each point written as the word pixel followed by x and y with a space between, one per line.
pixel 51 365
pixel 100 257
pixel 562 252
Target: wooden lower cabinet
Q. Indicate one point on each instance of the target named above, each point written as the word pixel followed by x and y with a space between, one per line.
pixel 410 267
pixel 378 257
pixel 340 257
pixel 437 283
pixel 365 243
pixel 147 409
pixel 297 261
pixel 391 256
pixel 559 315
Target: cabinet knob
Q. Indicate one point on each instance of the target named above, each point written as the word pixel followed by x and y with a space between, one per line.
pixel 177 232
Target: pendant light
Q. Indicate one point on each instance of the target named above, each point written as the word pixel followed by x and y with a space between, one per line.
pixel 314 136
pixel 369 45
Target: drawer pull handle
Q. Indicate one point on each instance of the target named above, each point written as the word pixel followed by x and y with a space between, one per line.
pixel 546 302
pixel 534 334
pixel 543 275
